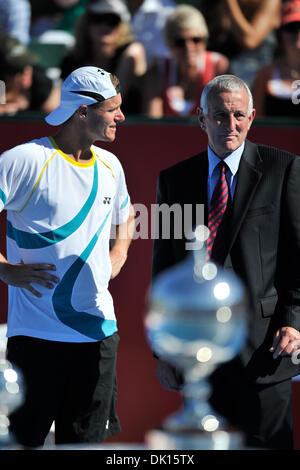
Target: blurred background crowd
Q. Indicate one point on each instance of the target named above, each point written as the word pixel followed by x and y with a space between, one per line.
pixel 163 51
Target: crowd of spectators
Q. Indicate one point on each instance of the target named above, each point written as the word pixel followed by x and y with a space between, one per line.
pixel 163 51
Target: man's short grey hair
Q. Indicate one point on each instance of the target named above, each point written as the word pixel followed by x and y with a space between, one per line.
pixel 224 83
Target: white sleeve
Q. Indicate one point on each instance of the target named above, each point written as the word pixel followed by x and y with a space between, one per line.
pixel 122 199
pixel 9 179
pixel 15 178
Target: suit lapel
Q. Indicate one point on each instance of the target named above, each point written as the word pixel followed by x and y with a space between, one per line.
pixel 194 190
pixel 248 177
pixel 202 175
pixel 203 171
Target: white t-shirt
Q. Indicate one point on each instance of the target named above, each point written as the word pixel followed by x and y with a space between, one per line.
pixel 61 212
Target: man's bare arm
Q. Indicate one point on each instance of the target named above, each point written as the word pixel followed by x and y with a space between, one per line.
pixel 124 234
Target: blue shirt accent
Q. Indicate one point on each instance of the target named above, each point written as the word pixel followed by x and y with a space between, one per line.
pixel 124 203
pixel 93 326
pixel 232 160
pixel 3 197
pixel 31 241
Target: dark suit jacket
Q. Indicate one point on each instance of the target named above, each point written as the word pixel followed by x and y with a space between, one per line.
pixel 264 246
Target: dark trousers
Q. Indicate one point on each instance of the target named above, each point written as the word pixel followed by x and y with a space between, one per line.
pixel 262 412
pixel 73 384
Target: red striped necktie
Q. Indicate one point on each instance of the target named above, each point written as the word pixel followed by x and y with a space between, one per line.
pixel 218 217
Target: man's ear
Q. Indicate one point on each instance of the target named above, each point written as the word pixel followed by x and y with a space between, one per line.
pixel 82 110
pixel 201 118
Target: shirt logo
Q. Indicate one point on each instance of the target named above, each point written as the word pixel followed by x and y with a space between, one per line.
pixel 106 200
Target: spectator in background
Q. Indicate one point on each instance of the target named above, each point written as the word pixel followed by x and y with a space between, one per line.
pixel 26 85
pixel 148 21
pixel 15 19
pixel 51 15
pixel 273 88
pixel 104 39
pixel 243 30
pixel 174 85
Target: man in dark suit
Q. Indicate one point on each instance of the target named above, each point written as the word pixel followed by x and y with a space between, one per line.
pixel 261 244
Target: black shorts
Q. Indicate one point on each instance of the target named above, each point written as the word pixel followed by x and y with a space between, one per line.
pixel 73 384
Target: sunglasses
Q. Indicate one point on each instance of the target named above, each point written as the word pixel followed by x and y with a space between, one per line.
pixel 292 28
pixel 108 19
pixel 181 42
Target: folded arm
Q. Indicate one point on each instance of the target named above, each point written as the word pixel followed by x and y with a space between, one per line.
pixel 250 33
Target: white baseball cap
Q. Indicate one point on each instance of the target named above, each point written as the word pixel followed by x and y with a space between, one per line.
pixel 113 7
pixel 86 85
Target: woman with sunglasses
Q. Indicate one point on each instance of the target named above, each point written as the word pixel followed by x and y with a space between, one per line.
pixel 174 85
pixel 276 89
pixel 104 39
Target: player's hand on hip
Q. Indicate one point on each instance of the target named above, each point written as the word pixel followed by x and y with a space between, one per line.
pixel 23 275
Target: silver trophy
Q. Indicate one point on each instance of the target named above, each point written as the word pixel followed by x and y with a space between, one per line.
pixel 11 394
pixel 197 319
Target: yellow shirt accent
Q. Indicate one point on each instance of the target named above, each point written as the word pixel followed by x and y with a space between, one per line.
pixel 69 159
pixel 34 188
pixel 106 165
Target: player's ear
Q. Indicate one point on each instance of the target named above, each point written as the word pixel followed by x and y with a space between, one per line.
pixel 251 117
pixel 82 111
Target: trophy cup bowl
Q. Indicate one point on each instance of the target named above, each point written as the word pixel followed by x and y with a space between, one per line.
pixel 197 319
pixel 11 398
